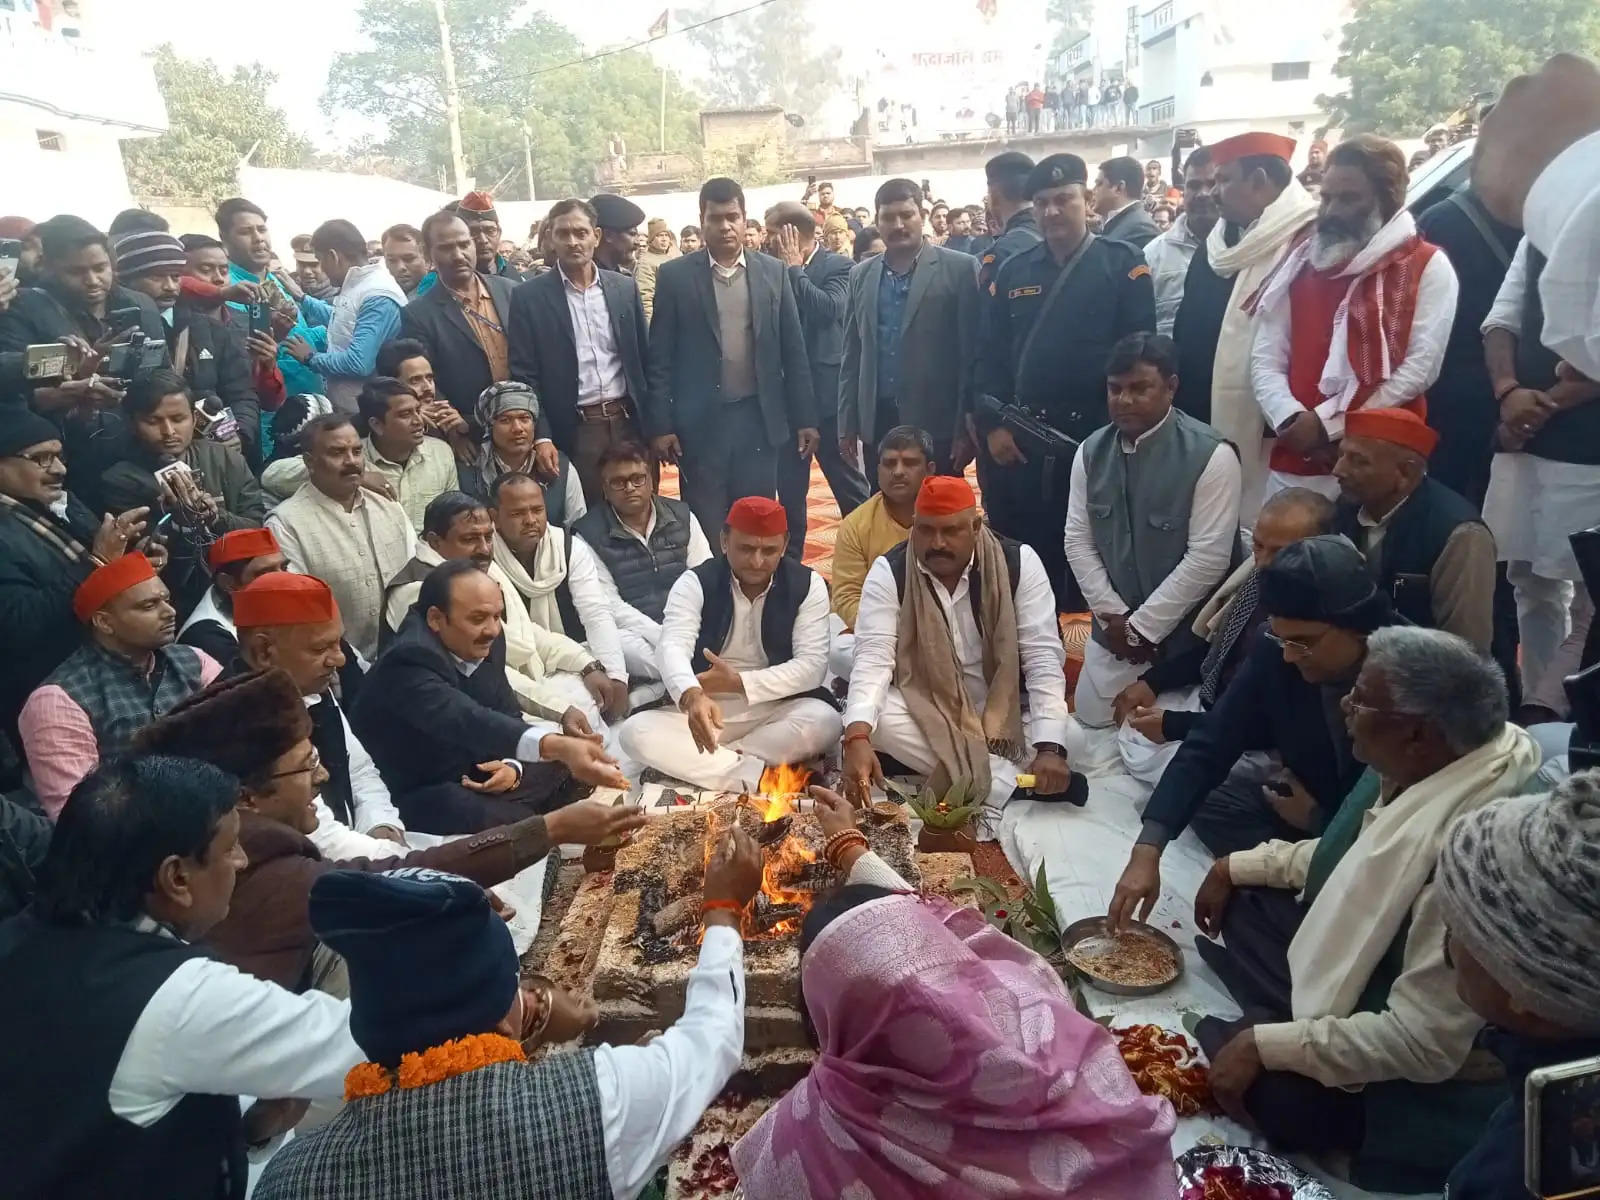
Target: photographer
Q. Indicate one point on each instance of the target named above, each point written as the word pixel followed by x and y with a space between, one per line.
pixel 199 488
pixel 211 356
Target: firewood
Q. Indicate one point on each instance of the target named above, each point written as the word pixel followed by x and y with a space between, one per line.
pixel 675 915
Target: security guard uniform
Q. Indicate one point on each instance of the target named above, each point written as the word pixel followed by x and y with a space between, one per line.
pixel 1021 232
pixel 1062 381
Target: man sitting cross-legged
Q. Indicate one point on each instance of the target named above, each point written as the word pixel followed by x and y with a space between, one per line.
pixel 905 456
pixel 953 624
pixel 1354 1038
pixel 743 652
pixel 442 723
pixel 433 982
pixel 549 672
pixel 255 727
pixel 627 552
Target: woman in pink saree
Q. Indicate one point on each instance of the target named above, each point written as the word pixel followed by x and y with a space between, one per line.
pixel 952 1063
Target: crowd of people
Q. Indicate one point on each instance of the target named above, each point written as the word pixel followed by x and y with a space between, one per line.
pixel 329 592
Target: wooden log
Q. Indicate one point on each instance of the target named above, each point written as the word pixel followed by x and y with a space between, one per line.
pixel 676 915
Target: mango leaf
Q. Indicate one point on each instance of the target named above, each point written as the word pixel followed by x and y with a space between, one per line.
pixel 959 794
pixel 983 885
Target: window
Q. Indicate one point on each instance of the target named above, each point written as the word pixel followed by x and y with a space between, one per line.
pixel 1282 72
pixel 50 140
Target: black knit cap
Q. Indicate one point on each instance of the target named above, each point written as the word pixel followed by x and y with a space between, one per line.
pixel 616 212
pixel 21 427
pixel 429 960
pixel 1058 170
pixel 1324 578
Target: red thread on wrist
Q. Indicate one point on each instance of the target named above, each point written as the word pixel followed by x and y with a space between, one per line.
pixel 732 906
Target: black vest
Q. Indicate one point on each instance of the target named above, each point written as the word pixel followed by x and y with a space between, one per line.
pixel 643 574
pixel 1412 542
pixel 71 998
pixel 790 585
pixel 327 735
pixel 1573 434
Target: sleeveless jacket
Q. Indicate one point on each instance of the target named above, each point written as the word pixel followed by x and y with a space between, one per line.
pixel 1402 564
pixel 1139 506
pixel 790 586
pixel 644 574
pixel 77 992
pixel 118 698
pixel 1573 434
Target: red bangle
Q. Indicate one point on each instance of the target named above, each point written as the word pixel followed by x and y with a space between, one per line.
pixel 858 736
pixel 732 906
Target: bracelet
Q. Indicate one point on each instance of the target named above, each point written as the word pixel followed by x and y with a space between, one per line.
pixel 858 736
pixel 839 837
pixel 732 906
pixel 835 847
pixel 1500 396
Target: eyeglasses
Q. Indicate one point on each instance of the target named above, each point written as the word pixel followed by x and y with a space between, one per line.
pixel 1299 647
pixel 1355 705
pixel 312 763
pixel 42 459
pixel 633 483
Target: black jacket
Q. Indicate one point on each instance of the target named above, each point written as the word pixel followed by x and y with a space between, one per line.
pixel 1412 541
pixel 821 291
pixel 24 838
pixel 37 628
pixel 217 363
pixel 544 354
pixel 685 371
pixel 423 721
pixel 1196 330
pixel 1132 225
pixel 460 367
pixel 1021 233
pixel 1267 705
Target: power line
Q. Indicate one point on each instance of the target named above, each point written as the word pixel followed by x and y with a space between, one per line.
pixel 578 62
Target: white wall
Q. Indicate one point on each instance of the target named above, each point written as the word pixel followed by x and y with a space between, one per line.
pixel 85 177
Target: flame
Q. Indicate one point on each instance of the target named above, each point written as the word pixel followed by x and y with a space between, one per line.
pixel 780 787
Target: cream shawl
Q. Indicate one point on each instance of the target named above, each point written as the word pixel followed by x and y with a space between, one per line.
pixel 549 569
pixel 1360 908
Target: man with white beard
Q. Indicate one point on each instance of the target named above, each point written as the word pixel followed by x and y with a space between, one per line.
pixel 1357 316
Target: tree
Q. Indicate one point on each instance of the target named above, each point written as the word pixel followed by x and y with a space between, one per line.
pixel 513 72
pixel 1411 63
pixel 1071 18
pixel 766 57
pixel 214 120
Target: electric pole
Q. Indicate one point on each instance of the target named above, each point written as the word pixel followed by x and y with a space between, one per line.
pixel 527 158
pixel 452 99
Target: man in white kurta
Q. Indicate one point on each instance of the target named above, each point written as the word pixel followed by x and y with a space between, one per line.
pixel 741 708
pixel 877 715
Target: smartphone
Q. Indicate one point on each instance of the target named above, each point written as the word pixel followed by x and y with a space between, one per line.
pixel 811 181
pixel 122 319
pixel 1561 1154
pixel 261 318
pixel 45 361
pixel 10 255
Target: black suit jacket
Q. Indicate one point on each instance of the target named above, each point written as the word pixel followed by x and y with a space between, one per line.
pixel 685 370
pixel 544 353
pixel 460 367
pixel 423 721
pixel 1132 225
pixel 821 291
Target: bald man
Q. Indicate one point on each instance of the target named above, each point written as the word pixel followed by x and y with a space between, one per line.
pixel 1426 547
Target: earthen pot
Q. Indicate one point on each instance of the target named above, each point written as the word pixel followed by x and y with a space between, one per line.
pixel 946 841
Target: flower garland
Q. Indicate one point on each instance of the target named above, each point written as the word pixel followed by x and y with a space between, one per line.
pixel 433 1065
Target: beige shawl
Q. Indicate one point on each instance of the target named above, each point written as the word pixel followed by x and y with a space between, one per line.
pixel 928 673
pixel 1360 908
pixel 549 569
pixel 1234 411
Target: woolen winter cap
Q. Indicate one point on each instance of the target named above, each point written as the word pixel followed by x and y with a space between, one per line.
pixel 500 398
pixel 429 960
pixel 1519 885
pixel 141 253
pixel 616 213
pixel 283 598
pixel 298 411
pixel 242 723
pixel 21 427
pixel 477 206
pixel 1058 170
pixel 1324 578
pixel 105 583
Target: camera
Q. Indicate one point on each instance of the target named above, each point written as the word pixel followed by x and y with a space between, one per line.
pixel 135 360
pixel 1562 1148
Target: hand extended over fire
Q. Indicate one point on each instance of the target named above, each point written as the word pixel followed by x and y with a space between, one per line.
pixel 705 719
pixel 861 766
pixel 587 761
pixel 733 874
pixel 590 822
pixel 834 812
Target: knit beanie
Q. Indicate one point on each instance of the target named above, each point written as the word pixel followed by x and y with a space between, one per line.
pixel 21 427
pixel 1324 578
pixel 429 960
pixel 295 413
pixel 1519 883
pixel 140 253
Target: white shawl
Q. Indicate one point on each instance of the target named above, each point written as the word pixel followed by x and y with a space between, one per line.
pixel 1234 412
pixel 549 569
pixel 1360 908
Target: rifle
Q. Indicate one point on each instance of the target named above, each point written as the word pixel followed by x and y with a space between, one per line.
pixel 1046 439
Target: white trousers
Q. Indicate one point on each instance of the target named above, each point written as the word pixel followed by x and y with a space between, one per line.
pixel 897 734
pixel 1553 618
pixel 841 647
pixel 639 655
pixel 753 738
pixel 1102 677
pixel 1145 760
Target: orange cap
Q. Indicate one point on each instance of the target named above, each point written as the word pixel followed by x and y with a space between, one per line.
pixel 759 516
pixel 1252 145
pixel 942 495
pixel 116 577
pixel 283 598
pixel 241 545
pixel 1399 426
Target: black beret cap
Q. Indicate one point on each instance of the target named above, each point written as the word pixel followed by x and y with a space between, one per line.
pixel 617 212
pixel 1057 171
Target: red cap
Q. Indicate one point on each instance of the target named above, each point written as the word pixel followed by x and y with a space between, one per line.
pixel 283 598
pixel 1399 426
pixel 476 202
pixel 241 545
pixel 942 495
pixel 759 516
pixel 1252 145
pixel 116 577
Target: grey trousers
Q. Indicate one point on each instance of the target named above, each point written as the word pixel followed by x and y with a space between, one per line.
pixel 729 460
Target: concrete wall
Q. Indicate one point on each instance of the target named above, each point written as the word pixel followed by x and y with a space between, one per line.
pixel 728 128
pixel 1092 145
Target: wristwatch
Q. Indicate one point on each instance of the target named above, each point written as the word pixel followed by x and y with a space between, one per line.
pixel 1052 747
pixel 1132 635
pixel 594 666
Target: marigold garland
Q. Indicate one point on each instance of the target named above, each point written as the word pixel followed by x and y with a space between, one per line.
pixel 433 1065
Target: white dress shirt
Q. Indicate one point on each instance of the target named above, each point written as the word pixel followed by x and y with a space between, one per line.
pixel 763 681
pixel 211 1028
pixel 652 1096
pixel 1213 531
pixel 371 806
pixel 601 607
pixel 1562 218
pixel 1038 642
pixel 1408 378
pixel 600 374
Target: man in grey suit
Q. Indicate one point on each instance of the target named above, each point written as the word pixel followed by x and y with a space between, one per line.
pixel 910 336
pixel 728 379
pixel 820 279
